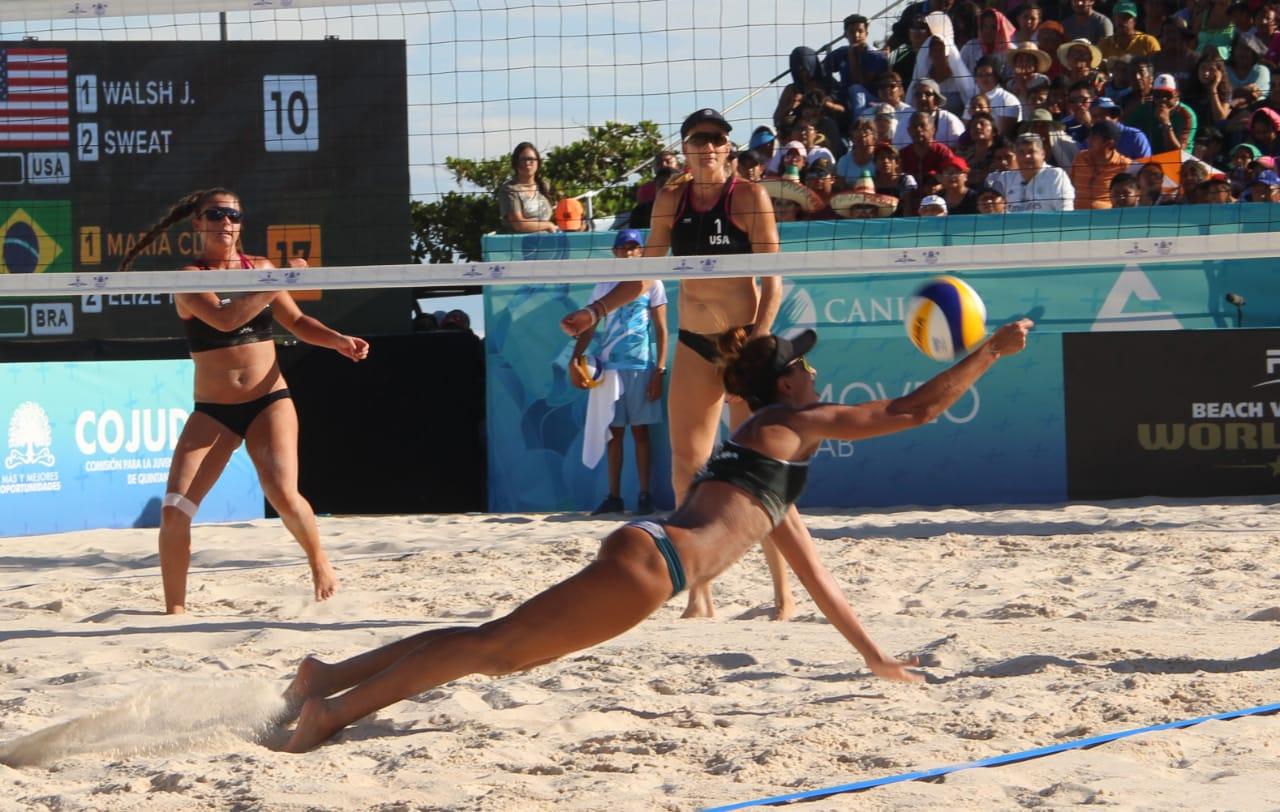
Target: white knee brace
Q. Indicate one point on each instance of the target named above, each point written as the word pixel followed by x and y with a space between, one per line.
pixel 182 503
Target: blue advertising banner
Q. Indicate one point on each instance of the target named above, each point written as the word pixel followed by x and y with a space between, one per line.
pixel 1003 441
pixel 89 444
pixel 535 418
pixel 1006 445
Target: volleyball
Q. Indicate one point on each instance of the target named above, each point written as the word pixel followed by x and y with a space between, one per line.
pixel 946 318
pixel 585 372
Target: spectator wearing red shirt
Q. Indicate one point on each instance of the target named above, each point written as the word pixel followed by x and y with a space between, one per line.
pixel 924 156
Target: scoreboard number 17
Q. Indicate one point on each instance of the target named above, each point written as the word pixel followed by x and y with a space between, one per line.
pixel 290 113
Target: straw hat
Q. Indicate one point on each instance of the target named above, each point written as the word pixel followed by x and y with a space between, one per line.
pixel 783 189
pixel 863 193
pixel 1043 60
pixel 1095 55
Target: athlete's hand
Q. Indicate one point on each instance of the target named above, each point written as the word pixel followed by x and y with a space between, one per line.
pixel 889 668
pixel 357 349
pixel 578 322
pixel 1011 338
pixel 298 262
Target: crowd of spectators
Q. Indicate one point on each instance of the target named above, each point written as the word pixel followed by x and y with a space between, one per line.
pixel 1023 106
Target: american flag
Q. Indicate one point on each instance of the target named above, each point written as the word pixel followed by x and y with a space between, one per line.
pixel 33 98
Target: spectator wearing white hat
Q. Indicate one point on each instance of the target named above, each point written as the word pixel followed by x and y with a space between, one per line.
pixel 1165 120
pixel 790 161
pixel 1033 186
pixel 933 206
pixel 1079 58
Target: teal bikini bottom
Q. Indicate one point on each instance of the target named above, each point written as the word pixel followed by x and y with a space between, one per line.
pixel 674 568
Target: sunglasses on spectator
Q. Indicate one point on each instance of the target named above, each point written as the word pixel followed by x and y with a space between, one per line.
pixel 706 139
pixel 218 213
pixel 803 363
pixel 1081 100
pixel 527 159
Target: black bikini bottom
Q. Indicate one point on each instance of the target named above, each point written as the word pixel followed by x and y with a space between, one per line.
pixel 239 416
pixel 707 344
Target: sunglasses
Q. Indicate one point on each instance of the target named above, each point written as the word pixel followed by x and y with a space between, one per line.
pixel 803 363
pixel 706 139
pixel 218 213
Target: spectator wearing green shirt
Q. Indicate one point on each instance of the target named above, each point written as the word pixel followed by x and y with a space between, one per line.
pixel 1165 120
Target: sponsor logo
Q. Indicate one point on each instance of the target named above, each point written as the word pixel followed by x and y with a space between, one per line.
pixel 1272 363
pixel 1133 284
pixel 30 437
pixel 30 445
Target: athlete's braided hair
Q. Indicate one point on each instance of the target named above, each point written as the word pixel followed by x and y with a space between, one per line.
pixel 181 210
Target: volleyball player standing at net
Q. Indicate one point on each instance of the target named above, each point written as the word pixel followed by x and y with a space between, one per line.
pixel 713 213
pixel 240 393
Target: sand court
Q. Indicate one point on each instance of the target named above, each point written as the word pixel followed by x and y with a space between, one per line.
pixel 1037 625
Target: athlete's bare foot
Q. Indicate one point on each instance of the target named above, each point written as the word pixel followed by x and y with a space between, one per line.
pixel 315 725
pixel 310 681
pixel 700 604
pixel 324 578
pixel 783 609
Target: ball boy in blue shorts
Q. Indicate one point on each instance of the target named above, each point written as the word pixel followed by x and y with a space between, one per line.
pixel 633 343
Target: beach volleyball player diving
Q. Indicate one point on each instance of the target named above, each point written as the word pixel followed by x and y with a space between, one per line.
pixel 240 394
pixel 744 493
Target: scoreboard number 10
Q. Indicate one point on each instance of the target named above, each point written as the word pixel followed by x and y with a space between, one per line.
pixel 290 113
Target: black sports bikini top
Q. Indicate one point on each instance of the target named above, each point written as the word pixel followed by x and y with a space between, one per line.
pixel 776 483
pixel 202 336
pixel 695 233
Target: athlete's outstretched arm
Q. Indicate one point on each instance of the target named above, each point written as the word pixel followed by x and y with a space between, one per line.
pixel 796 545
pixel 859 421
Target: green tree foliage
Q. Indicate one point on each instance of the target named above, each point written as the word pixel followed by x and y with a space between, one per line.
pixel 450 228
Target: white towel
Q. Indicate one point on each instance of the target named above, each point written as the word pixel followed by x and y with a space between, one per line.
pixel 600 405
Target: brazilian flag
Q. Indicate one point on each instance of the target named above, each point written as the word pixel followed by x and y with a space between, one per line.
pixel 36 235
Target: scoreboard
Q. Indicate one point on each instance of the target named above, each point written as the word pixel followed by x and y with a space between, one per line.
pixel 98 141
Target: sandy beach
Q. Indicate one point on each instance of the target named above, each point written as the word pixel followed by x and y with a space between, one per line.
pixel 1037 626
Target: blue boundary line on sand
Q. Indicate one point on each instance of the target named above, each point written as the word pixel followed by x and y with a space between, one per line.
pixel 995 761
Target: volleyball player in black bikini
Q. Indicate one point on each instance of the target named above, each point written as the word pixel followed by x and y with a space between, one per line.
pixel 746 492
pixel 240 394
pixel 713 212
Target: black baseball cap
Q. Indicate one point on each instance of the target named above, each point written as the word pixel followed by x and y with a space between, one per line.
pixel 785 352
pixel 702 116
